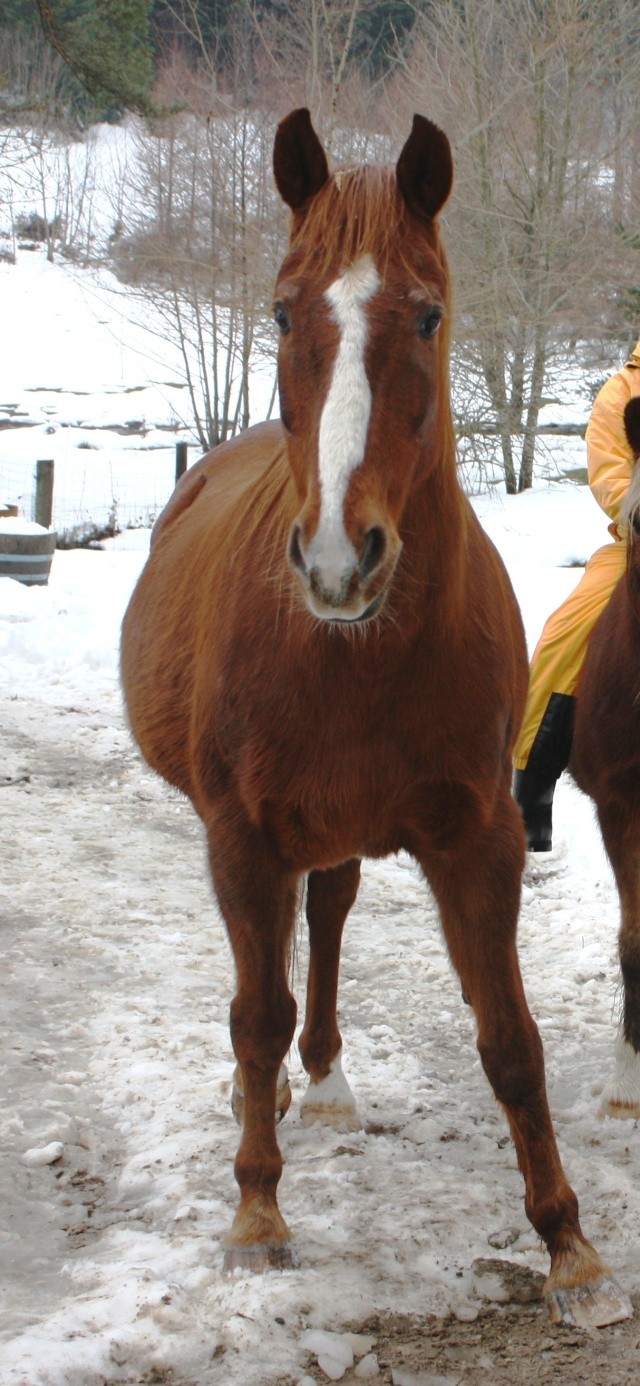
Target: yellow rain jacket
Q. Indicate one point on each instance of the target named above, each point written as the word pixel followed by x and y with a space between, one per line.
pixel 559 655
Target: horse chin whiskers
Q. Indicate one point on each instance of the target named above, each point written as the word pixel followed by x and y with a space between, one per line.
pixel 350 630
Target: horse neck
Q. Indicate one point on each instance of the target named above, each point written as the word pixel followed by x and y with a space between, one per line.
pixel 434 562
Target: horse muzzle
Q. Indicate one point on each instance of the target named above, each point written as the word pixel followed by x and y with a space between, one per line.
pixel 344 583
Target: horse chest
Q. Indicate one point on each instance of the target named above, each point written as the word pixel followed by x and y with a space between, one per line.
pixel 336 756
pixel 330 800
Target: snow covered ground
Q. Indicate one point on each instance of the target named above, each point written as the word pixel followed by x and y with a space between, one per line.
pixel 116 1181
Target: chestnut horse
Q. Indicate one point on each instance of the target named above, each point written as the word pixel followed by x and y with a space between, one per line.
pixel 605 762
pixel 325 654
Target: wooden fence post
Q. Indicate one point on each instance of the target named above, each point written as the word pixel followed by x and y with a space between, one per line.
pixel 181 460
pixel 44 494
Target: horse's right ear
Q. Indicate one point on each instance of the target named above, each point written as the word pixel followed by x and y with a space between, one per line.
pixel 299 161
pixel 632 424
pixel 425 169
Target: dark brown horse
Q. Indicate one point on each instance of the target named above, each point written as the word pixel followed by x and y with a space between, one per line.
pixel 605 762
pixel 325 654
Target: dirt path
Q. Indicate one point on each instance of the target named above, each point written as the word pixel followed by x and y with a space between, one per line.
pixel 507 1346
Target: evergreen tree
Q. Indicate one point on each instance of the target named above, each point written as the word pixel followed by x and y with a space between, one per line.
pixel 107 45
pixel 381 29
pixel 18 14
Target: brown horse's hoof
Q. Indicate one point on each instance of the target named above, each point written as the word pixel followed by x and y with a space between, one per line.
pixel 589 1306
pixel 330 1101
pixel 263 1256
pixel 283 1095
pixel 623 1111
pixel 622 1094
pixel 343 1119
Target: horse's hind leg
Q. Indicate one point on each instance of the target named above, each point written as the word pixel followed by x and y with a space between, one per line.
pixel 478 889
pixel 330 895
pixel 621 833
pixel 257 897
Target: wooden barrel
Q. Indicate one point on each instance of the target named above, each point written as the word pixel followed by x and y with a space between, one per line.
pixel 27 557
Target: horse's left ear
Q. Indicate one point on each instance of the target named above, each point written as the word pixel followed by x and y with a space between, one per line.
pixel 425 168
pixel 299 161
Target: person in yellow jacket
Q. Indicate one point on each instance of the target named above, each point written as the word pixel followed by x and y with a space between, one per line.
pixel 543 747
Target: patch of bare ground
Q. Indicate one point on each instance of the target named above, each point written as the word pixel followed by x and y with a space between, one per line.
pixel 507 1345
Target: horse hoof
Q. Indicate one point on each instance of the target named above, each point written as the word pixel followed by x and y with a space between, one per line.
pixel 263 1256
pixel 622 1093
pixel 338 1118
pixel 589 1306
pixel 623 1111
pixel 330 1100
pixel 283 1095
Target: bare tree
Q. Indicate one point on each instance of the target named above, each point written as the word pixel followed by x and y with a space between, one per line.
pixel 205 231
pixel 46 178
pixel 200 247
pixel 525 87
pixel 308 46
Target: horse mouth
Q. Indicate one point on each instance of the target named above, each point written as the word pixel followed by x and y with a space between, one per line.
pixel 343 618
pixel 369 612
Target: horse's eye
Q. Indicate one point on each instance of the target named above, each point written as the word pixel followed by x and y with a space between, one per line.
pixel 282 318
pixel 429 321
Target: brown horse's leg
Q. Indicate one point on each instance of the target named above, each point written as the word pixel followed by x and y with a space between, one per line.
pixel 257 897
pixel 283 1094
pixel 621 833
pixel 330 895
pixel 478 891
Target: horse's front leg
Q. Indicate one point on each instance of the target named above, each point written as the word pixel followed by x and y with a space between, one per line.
pixel 478 891
pixel 330 895
pixel 621 833
pixel 257 897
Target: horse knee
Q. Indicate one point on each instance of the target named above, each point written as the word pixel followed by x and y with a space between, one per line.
pixel 514 1066
pixel 262 1034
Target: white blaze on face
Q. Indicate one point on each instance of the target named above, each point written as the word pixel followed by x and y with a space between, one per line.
pixel 345 417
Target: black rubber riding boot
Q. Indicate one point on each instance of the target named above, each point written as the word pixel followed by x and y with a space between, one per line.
pixel 534 796
pixel 533 787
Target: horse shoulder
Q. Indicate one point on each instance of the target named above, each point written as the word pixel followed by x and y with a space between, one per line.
pixel 226 472
pixel 168 627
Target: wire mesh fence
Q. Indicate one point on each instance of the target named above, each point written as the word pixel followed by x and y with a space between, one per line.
pixel 95 495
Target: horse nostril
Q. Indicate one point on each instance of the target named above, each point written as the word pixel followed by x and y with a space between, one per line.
pixel 296 557
pixel 373 551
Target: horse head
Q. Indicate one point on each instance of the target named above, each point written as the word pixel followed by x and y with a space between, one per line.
pixel 361 303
